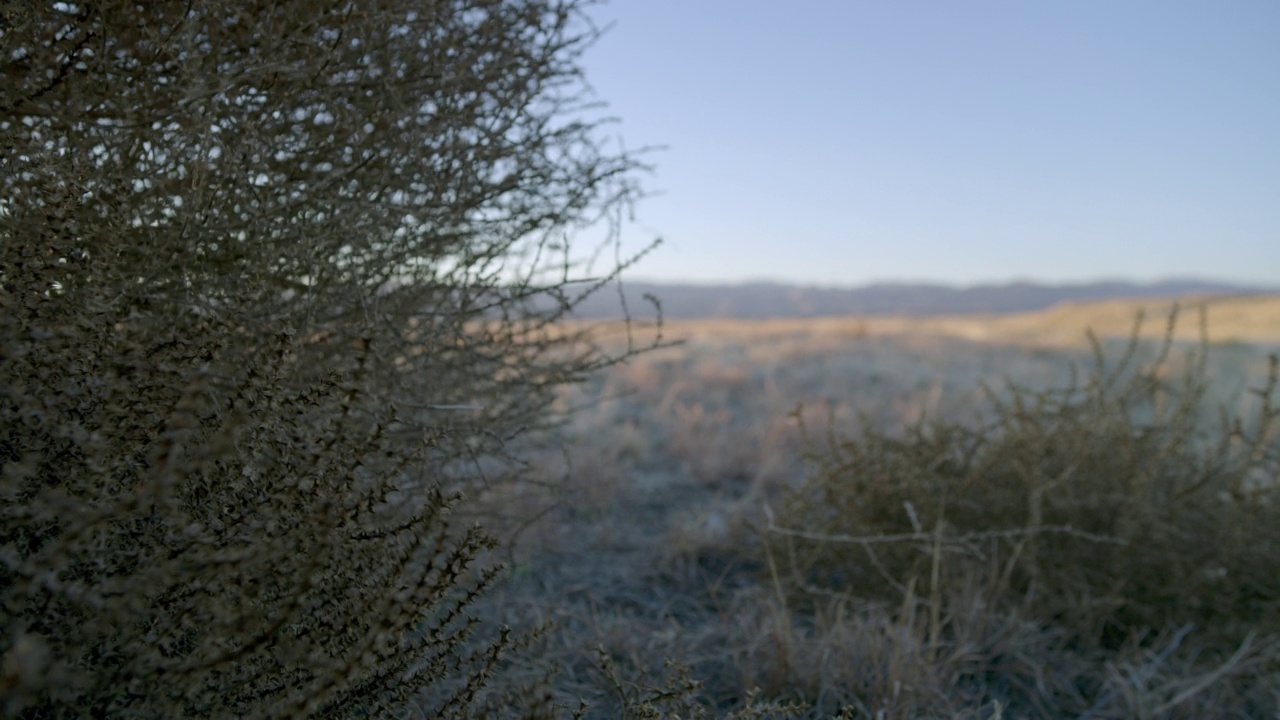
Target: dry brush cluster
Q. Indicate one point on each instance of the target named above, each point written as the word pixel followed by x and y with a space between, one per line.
pixel 1103 549
pixel 274 278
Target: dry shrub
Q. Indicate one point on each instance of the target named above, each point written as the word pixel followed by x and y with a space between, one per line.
pixel 853 659
pixel 878 662
pixel 190 532
pixel 1108 512
pixel 673 694
pixel 277 280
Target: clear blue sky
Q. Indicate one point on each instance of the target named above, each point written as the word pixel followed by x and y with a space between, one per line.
pixel 850 141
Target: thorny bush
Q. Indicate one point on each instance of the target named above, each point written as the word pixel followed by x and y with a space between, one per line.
pixel 1113 508
pixel 273 278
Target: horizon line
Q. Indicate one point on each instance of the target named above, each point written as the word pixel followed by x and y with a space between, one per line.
pixel 960 285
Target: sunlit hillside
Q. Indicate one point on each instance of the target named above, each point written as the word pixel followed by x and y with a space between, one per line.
pixel 1246 319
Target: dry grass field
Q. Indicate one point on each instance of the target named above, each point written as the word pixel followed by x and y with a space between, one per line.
pixel 1246 319
pixel 699 539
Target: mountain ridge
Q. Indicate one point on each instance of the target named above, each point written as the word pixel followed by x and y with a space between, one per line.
pixel 774 300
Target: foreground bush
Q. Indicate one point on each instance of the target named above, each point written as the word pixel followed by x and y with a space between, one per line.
pixel 1112 514
pixel 195 538
pixel 274 277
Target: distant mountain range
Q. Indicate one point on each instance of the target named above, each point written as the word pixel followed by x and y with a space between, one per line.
pixel 771 300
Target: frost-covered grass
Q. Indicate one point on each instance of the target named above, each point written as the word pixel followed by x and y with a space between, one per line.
pixel 658 534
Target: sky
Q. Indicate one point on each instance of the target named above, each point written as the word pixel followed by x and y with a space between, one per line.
pixel 846 142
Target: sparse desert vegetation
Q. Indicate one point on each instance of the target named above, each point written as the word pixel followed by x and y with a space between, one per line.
pixel 296 420
pixel 880 519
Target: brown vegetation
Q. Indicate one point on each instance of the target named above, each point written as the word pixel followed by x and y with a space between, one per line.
pixel 267 275
pixel 282 292
pixel 657 544
pixel 1104 510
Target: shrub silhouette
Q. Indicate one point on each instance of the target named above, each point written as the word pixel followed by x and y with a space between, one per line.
pixel 1110 507
pixel 273 278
